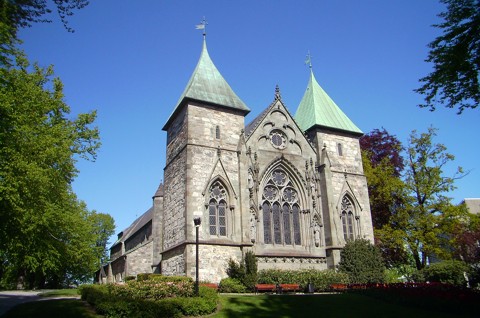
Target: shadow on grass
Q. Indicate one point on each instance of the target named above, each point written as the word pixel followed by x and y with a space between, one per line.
pixel 328 305
pixel 70 308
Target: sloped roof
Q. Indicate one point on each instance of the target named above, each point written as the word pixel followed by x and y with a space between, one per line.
pixel 135 226
pixel 318 109
pixel 207 85
pixel 250 128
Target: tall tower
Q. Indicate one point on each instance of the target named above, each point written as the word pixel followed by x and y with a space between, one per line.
pixel 201 176
pixel 345 203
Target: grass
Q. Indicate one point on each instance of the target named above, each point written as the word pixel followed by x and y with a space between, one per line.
pixel 233 306
pixel 60 293
pixel 71 308
pixel 330 305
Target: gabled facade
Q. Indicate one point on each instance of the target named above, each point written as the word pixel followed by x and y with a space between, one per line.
pixel 292 190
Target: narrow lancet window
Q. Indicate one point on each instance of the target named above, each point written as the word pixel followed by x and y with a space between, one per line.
pixel 217 210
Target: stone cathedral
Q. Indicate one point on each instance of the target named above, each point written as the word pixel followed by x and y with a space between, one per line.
pixel 289 188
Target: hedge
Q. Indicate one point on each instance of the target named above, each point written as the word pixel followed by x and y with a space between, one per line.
pixel 118 301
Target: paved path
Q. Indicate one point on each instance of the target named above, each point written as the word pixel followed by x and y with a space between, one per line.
pixel 11 298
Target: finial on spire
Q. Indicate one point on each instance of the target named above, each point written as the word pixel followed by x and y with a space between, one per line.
pixel 202 26
pixel 308 60
pixel 278 96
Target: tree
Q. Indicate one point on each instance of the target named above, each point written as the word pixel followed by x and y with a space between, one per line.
pixel 455 55
pixel 466 240
pixel 383 146
pixel 103 226
pixel 46 234
pixel 383 164
pixel 362 262
pixel 424 223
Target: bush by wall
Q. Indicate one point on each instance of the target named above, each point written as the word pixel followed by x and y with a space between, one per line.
pixel 245 272
pixel 362 261
pixel 118 301
pixel 231 285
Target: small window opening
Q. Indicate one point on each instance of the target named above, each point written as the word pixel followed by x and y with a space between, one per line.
pixel 340 149
pixel 217 132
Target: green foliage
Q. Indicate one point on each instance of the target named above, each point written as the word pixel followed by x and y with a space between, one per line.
pixel 321 280
pixel 448 272
pixel 245 271
pixel 455 55
pixel 392 275
pixel 49 238
pixel 250 278
pixel 231 285
pixel 128 278
pixel 235 270
pixel 362 262
pixel 133 301
pixel 426 221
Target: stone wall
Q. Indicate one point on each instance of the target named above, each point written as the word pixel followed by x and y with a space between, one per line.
pixel 139 260
pixel 173 262
pixel 291 263
pixel 213 261
pixel 345 176
pixel 174 202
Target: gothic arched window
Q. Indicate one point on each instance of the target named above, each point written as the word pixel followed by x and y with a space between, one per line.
pixel 281 211
pixel 347 219
pixel 217 209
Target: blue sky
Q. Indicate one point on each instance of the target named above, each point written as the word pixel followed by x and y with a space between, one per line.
pixel 130 60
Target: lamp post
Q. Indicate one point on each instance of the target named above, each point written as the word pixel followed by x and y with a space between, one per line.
pixel 197 221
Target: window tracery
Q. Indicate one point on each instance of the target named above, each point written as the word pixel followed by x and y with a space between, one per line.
pixel 217 209
pixel 347 215
pixel 281 211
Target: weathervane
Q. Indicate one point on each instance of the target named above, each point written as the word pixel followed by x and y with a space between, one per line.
pixel 202 26
pixel 308 60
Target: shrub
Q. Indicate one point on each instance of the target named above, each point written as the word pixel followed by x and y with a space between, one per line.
pixel 362 262
pixel 449 272
pixel 245 271
pixel 231 285
pixel 127 278
pixel 234 269
pixel 392 275
pixel 112 301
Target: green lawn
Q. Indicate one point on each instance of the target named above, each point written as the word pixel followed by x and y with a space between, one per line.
pixel 232 306
pixel 330 305
pixel 60 293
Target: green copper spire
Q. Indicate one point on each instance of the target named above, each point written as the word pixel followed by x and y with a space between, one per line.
pixel 207 85
pixel 318 109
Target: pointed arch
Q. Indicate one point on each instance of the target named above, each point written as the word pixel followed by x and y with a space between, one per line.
pixel 349 210
pixel 282 195
pixel 226 179
pixel 218 206
pixel 348 190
